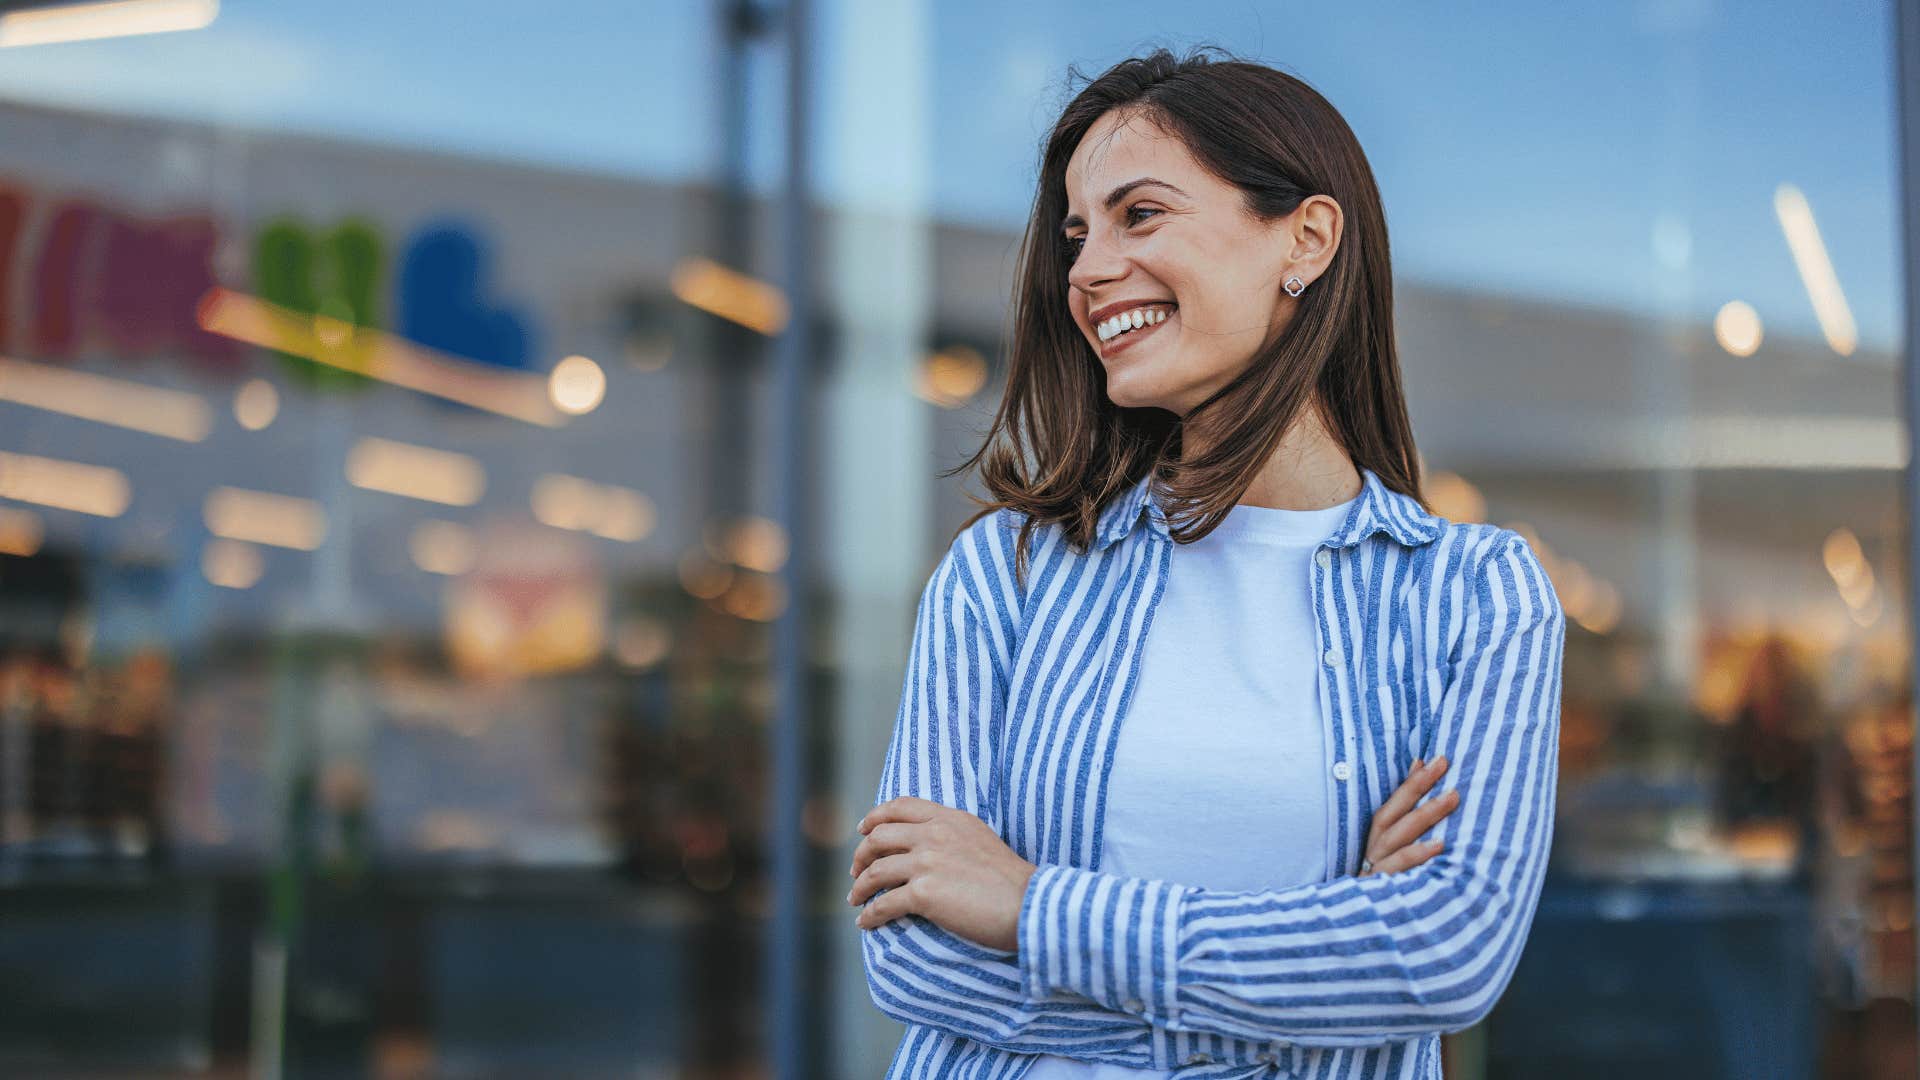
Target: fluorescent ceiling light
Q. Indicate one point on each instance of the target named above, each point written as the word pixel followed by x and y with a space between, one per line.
pixel 379 355
pixel 50 24
pixel 156 410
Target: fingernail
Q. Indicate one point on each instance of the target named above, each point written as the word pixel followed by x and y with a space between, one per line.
pixel 1433 845
pixel 1419 763
pixel 849 897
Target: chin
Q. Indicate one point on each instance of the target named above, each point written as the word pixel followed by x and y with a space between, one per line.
pixel 1124 392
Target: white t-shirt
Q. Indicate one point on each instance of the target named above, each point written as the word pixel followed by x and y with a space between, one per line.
pixel 1219 776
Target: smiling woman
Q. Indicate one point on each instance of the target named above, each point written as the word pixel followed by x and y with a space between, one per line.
pixel 1184 698
pixel 1230 205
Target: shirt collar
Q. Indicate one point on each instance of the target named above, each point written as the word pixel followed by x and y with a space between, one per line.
pixel 1379 508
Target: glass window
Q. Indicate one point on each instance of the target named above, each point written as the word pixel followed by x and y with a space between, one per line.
pixel 1648 313
pixel 388 575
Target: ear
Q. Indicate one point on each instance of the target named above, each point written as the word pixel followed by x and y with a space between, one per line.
pixel 1314 232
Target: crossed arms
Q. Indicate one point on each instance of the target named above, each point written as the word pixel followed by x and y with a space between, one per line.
pixel 1109 965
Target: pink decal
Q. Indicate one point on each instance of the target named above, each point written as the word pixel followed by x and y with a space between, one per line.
pixel 57 278
pixel 13 210
pixel 150 281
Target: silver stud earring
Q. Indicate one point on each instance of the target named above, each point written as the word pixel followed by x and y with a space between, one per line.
pixel 1294 286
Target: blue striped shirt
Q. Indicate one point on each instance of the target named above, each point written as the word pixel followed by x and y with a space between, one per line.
pixel 1437 638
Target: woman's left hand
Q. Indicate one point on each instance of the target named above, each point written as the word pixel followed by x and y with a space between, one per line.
pixel 942 864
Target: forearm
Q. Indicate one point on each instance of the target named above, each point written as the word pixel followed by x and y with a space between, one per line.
pixel 1351 962
pixel 919 973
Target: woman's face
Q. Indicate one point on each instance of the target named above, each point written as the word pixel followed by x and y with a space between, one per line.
pixel 1179 243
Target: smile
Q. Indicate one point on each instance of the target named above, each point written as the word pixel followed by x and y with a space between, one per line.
pixel 1129 326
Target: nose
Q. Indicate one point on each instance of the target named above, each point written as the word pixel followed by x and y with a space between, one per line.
pixel 1095 266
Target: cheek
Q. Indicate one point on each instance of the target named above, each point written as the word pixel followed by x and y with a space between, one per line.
pixel 1218 341
pixel 1232 306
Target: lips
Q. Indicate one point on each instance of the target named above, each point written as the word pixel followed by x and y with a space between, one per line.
pixel 1102 314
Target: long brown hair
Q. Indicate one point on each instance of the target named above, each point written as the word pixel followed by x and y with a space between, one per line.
pixel 1059 448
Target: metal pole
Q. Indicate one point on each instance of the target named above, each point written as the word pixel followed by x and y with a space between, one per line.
pixel 792 443
pixel 1906 48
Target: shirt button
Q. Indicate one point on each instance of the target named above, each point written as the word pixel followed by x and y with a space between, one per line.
pixel 1331 656
pixel 1265 1055
pixel 1342 770
pixel 1199 1059
pixel 1323 557
pixel 1133 1004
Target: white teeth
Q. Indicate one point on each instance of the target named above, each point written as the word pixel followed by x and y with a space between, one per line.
pixel 1130 320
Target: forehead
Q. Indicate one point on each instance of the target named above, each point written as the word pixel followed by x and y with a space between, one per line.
pixel 1118 148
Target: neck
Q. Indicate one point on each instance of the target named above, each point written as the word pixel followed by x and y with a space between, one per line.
pixel 1309 470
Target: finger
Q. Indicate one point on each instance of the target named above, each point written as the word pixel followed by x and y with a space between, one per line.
pixel 1417 783
pixel 904 808
pixel 882 812
pixel 886 907
pixel 1407 857
pixel 883 874
pixel 1416 824
pixel 885 839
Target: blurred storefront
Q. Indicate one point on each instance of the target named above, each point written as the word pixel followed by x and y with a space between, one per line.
pixel 389 564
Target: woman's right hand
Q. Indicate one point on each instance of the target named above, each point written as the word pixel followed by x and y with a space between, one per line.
pixel 1398 823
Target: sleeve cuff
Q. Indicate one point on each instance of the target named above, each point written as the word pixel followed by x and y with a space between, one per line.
pixel 1103 936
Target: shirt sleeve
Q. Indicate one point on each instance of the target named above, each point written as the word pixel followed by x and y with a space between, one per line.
pixel 950 720
pixel 1353 961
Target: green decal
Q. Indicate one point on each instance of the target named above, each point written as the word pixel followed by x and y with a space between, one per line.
pixel 332 278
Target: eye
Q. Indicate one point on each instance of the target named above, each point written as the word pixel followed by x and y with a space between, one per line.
pixel 1070 245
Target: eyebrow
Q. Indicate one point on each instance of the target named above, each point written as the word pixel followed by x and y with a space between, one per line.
pixel 1113 197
